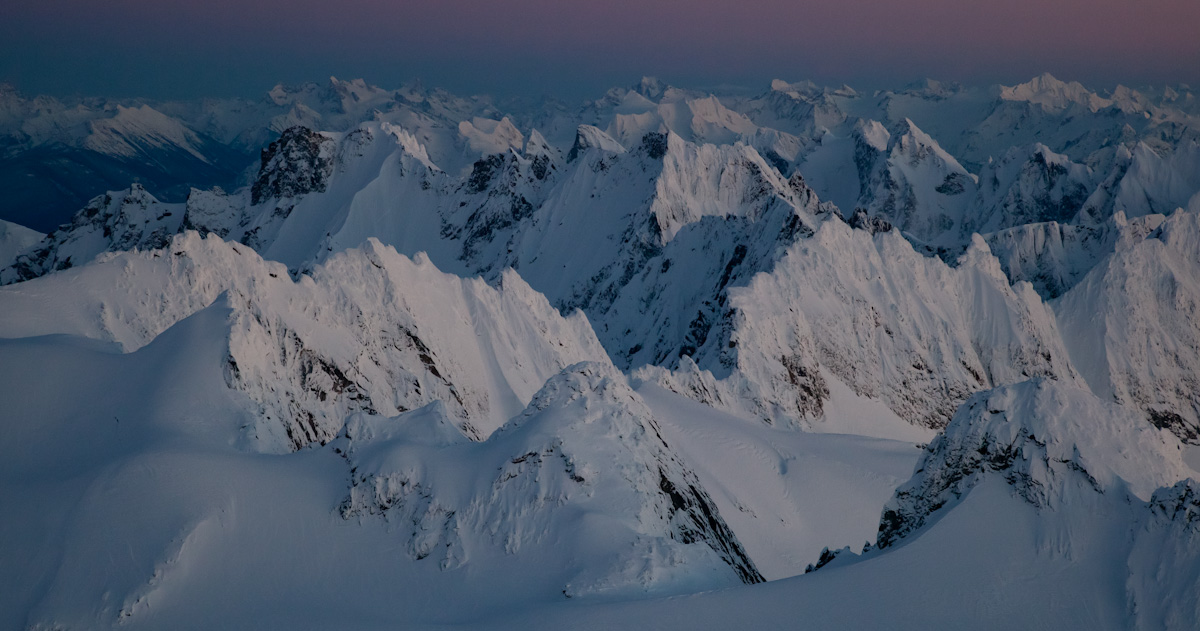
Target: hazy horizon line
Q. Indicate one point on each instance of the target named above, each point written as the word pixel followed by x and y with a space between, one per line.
pixel 566 94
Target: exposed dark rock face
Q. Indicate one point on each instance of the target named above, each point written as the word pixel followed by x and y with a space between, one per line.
pixel 811 389
pixel 655 145
pixel 862 221
pixel 124 219
pixel 293 165
pixel 483 171
pixel 699 521
pixel 1176 424
pixel 954 184
pixel 1179 504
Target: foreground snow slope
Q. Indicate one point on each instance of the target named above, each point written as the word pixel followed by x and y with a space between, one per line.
pixel 1036 509
pixel 141 510
pixel 787 494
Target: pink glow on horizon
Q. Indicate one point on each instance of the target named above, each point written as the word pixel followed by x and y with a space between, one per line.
pixel 957 39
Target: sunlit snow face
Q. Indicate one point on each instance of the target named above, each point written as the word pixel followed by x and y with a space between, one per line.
pixel 579 48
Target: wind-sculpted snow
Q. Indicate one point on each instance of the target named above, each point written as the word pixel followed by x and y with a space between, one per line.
pixel 370 330
pixel 1046 440
pixel 583 471
pixel 890 323
pixel 1131 324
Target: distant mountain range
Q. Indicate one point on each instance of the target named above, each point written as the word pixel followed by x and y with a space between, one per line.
pixel 55 154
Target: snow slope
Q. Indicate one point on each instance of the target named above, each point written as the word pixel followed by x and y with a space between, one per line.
pixel 788 495
pixel 872 313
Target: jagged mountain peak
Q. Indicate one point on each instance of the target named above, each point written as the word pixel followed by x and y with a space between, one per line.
pixel 1029 185
pixel 537 145
pixel 1130 101
pixel 467 427
pixel 873 133
pixel 1130 319
pixel 589 137
pixel 1047 440
pixel 909 139
pixel 914 183
pixel 117 220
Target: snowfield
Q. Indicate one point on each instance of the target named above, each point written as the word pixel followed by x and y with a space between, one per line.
pixel 804 358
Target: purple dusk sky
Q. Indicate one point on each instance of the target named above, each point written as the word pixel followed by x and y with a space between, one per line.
pixel 171 48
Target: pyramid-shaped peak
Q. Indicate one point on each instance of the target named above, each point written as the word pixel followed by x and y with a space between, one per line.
pixel 651 87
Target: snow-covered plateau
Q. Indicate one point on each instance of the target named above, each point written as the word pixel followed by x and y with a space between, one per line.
pixel 353 358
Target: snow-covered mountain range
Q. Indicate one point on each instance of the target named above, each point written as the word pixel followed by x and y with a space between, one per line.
pixel 660 344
